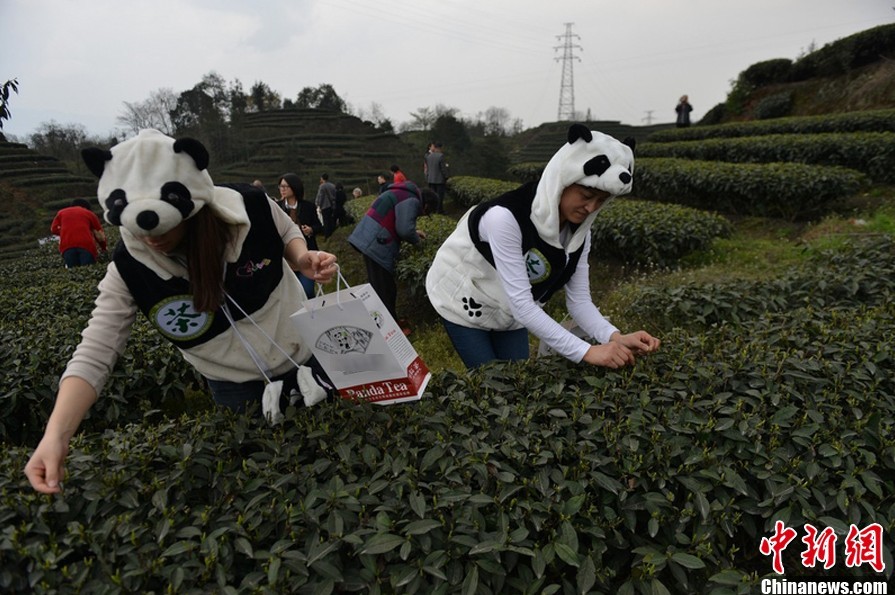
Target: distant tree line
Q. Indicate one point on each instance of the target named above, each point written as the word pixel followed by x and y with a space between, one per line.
pixel 213 110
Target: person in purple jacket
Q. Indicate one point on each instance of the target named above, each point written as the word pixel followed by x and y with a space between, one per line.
pixel 390 220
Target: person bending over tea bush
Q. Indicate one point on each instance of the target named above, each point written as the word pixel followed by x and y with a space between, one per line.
pixel 508 256
pixel 209 266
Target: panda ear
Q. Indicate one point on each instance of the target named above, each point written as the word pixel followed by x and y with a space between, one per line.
pixel 630 141
pixel 194 149
pixel 577 131
pixel 96 160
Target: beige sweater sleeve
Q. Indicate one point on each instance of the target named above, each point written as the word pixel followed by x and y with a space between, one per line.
pixel 105 337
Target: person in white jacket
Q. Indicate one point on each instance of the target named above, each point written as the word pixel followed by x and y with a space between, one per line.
pixel 508 256
pixel 211 268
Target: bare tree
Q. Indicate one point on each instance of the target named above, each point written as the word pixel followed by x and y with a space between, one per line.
pixel 496 121
pixel 422 119
pixel 62 141
pixel 154 112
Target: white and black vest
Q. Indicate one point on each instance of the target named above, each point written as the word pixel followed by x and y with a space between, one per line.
pixel 168 304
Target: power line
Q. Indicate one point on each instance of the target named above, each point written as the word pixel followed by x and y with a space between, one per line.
pixel 566 109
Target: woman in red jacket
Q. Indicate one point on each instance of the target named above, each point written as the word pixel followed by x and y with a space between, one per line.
pixel 79 232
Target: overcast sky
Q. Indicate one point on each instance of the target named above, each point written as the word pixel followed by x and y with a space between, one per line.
pixel 78 61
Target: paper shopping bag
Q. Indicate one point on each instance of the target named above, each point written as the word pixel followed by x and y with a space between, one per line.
pixel 361 347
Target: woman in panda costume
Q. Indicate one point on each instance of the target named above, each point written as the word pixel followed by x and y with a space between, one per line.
pixel 508 256
pixel 211 267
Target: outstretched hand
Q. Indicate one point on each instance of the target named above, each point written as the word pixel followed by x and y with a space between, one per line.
pixel 639 342
pixel 45 470
pixel 621 350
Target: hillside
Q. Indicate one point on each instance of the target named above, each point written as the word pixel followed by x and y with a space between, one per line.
pixel 32 188
pixel 853 74
pixel 539 144
pixel 310 142
pixel 866 88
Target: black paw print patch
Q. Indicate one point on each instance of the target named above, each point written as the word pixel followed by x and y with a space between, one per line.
pixel 472 307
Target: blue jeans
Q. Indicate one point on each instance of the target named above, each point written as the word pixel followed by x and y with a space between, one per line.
pixel 237 396
pixel 478 346
pixel 307 283
pixel 75 257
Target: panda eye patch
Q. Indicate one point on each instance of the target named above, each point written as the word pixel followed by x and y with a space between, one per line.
pixel 115 203
pixel 178 196
pixel 597 166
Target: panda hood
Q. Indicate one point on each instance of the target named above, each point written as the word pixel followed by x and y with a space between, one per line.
pixel 591 159
pixel 151 183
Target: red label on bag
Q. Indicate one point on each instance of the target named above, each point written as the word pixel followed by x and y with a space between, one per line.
pixel 392 389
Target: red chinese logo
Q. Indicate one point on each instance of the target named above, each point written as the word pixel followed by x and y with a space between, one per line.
pixel 865 547
pixel 862 546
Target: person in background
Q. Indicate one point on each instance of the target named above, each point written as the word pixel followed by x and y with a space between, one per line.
pixel 383 182
pixel 326 202
pixel 260 185
pixel 79 231
pixel 397 175
pixel 357 193
pixel 292 201
pixel 683 109
pixel 437 174
pixel 211 269
pixel 340 214
pixel 390 220
pixel 492 276
pixel 429 148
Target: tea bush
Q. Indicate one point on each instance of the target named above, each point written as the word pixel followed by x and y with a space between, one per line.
pixel 358 207
pixel 469 191
pixel 863 121
pixel 542 477
pixel 39 334
pixel 872 153
pixel 414 261
pixel 769 400
pixel 647 233
pixel 777 105
pixel 526 172
pixel 864 273
pixel 792 191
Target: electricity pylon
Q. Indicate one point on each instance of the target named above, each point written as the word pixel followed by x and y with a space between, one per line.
pixel 567 86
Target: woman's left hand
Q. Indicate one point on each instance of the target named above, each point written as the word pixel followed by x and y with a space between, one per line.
pixel 319 266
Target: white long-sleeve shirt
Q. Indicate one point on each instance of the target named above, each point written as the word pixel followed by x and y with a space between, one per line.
pixel 499 228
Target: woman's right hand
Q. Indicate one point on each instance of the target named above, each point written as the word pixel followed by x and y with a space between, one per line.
pixel 610 355
pixel 46 468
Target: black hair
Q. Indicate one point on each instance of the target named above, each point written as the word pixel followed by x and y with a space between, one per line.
pixel 430 200
pixel 294 182
pixel 80 202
